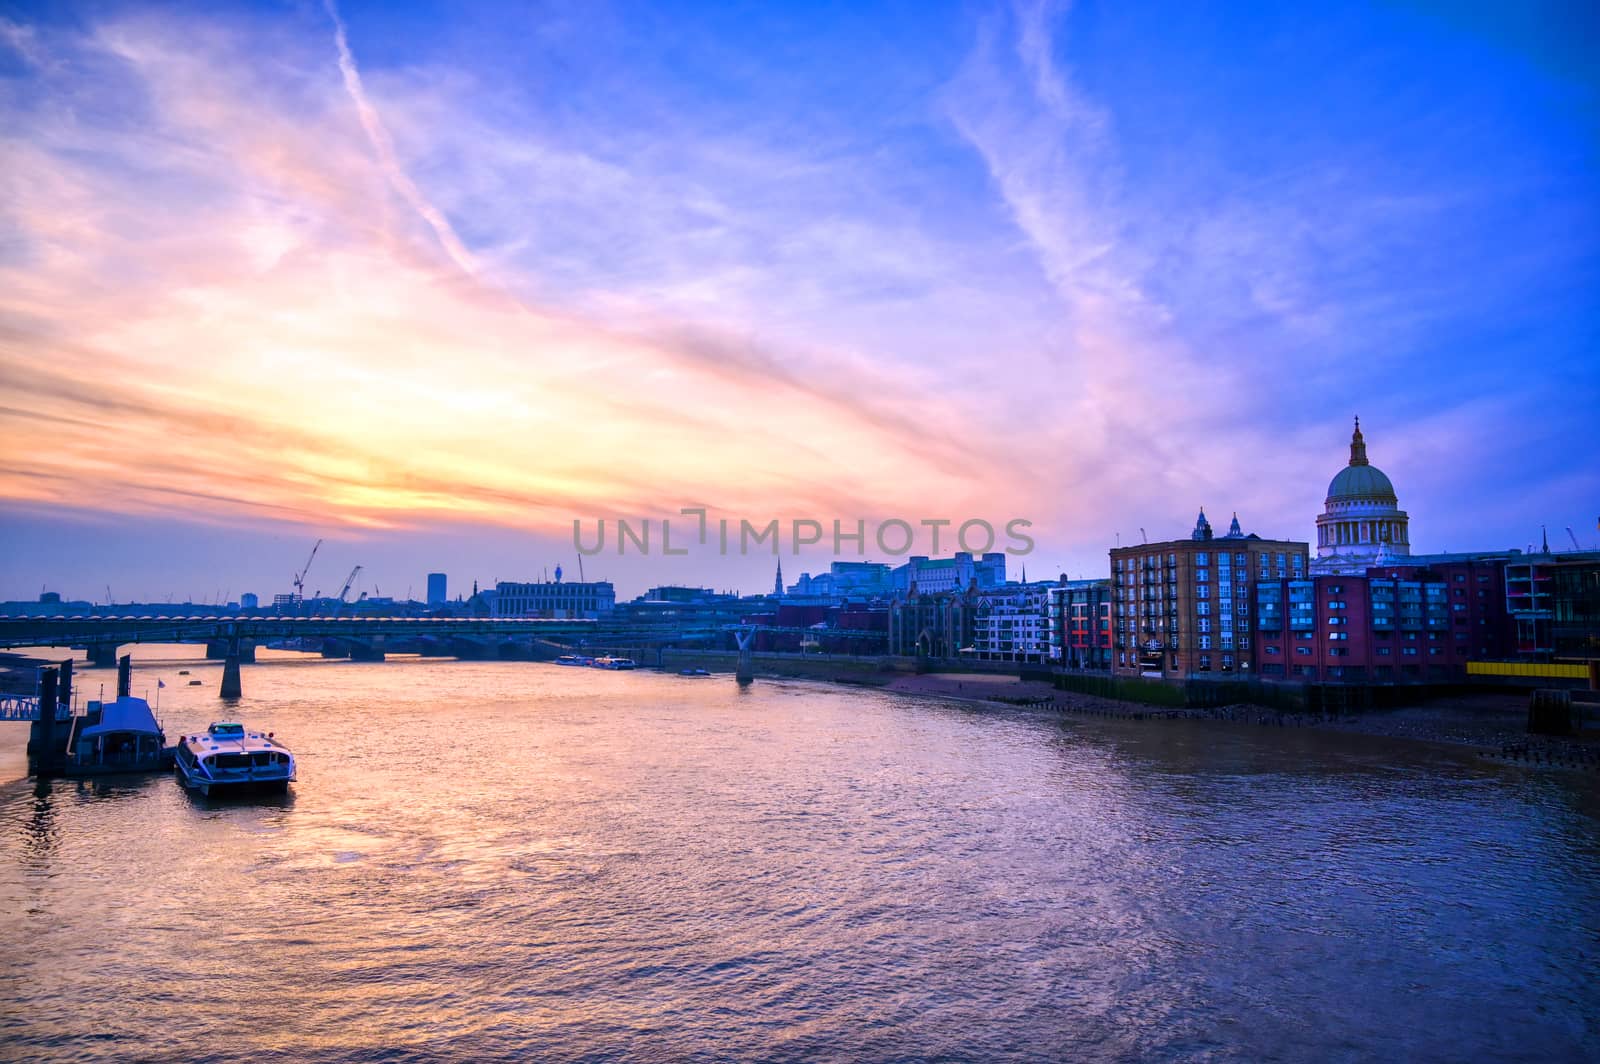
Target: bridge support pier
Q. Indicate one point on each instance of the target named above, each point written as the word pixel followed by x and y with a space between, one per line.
pixel 125 676
pixel 373 651
pixel 745 672
pixel 219 649
pixel 103 655
pixel 335 648
pixel 44 753
pixel 230 688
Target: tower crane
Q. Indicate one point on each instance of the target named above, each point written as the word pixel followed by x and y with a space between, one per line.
pixel 300 577
pixel 348 581
pixel 1574 537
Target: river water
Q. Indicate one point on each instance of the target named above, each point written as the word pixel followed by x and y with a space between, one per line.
pixel 517 861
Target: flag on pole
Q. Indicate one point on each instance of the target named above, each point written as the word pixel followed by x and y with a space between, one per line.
pixel 161 683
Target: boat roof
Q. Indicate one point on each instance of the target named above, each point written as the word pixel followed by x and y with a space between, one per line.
pixel 229 741
pixel 126 714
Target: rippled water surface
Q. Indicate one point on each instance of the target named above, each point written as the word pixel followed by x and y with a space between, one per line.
pixel 486 861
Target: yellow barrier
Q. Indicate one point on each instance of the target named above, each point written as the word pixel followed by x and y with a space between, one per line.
pixel 1515 668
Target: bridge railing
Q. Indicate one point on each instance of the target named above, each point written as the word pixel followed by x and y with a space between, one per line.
pixel 26 707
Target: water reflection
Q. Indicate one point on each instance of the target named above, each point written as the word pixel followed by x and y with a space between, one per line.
pixel 505 861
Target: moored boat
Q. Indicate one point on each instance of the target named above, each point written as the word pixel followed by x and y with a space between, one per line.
pixel 615 663
pixel 693 672
pixel 116 737
pixel 227 757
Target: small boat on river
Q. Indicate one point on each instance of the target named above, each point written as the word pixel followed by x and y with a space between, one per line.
pixel 228 758
pixel 615 663
pixel 693 672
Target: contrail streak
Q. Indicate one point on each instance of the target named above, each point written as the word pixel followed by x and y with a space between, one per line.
pixel 384 146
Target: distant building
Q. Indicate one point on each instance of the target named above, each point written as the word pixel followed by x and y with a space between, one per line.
pixel 1183 606
pixel 1361 524
pixel 1011 623
pixel 49 598
pixel 792 627
pixel 556 599
pixel 1080 624
pixel 956 573
pixel 438 593
pixel 683 594
pixel 846 580
pixel 286 603
pixel 932 624
pixel 1554 604
pixel 249 601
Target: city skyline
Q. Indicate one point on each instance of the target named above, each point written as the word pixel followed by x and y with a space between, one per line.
pixel 275 273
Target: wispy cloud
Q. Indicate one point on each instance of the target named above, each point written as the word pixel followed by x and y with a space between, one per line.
pixel 283 322
pixel 378 135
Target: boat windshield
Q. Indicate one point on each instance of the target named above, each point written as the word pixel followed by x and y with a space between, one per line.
pixel 229 731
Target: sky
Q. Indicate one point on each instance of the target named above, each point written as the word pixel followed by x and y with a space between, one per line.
pixel 432 282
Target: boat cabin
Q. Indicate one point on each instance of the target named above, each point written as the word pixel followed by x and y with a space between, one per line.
pixel 119 736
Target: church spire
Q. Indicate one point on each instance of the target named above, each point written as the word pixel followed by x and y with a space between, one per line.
pixel 1202 527
pixel 1358 447
pixel 1234 531
pixel 777 582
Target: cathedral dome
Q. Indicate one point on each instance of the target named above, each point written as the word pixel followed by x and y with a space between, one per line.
pixel 1360 479
pixel 1361 482
pixel 1362 522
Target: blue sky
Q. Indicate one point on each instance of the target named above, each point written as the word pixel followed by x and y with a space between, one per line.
pixel 489 270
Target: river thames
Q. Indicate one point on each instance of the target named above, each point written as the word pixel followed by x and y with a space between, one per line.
pixel 493 861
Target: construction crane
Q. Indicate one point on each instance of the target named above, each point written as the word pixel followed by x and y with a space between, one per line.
pixel 348 581
pixel 300 577
pixel 1574 537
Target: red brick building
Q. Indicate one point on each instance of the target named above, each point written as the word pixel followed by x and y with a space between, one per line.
pixel 1417 620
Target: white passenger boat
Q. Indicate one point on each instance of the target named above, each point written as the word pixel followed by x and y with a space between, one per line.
pixel 615 663
pixel 574 660
pixel 227 757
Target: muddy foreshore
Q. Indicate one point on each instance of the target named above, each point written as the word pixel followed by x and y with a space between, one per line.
pixel 1492 724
